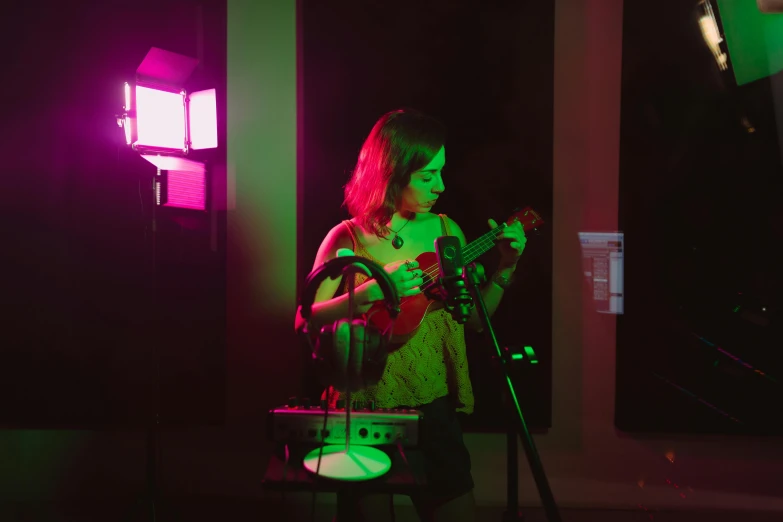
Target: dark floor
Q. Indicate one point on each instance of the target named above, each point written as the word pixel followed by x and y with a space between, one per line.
pixel 300 509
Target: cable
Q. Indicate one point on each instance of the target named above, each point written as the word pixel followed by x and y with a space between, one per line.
pixel 285 473
pixel 141 199
pixel 329 391
pixel 404 458
pixel 321 434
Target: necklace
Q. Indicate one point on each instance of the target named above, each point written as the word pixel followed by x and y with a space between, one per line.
pixel 397 241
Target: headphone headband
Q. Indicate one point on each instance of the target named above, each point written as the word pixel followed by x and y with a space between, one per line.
pixel 334 268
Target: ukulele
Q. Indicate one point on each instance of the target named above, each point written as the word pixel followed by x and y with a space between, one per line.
pixel 414 308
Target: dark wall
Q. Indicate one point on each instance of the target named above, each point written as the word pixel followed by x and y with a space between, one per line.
pixel 88 310
pixel 697 350
pixel 486 70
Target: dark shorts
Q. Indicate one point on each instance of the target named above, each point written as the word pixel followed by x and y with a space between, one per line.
pixel 446 460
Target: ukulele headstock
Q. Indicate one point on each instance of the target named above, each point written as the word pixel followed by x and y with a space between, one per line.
pixel 529 218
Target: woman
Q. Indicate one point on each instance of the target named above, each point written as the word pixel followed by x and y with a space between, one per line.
pixel 396 183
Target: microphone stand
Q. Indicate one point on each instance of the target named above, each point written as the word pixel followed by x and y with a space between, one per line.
pixel 473 276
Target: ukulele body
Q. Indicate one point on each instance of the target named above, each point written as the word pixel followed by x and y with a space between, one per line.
pixel 412 308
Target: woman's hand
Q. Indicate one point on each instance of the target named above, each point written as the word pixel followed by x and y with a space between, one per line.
pixel 406 276
pixel 511 243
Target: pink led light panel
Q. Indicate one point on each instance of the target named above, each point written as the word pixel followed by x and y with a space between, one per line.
pixel 203 120
pixel 186 183
pixel 160 118
pixel 186 190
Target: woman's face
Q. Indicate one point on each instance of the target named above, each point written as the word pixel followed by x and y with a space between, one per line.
pixel 425 186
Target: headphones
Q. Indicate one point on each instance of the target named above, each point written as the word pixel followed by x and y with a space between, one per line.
pixel 349 355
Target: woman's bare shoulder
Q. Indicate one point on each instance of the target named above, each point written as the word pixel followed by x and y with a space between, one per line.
pixel 338 237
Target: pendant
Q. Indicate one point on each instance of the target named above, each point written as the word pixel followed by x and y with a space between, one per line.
pixel 397 242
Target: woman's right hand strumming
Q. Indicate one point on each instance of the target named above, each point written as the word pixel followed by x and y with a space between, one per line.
pixel 406 276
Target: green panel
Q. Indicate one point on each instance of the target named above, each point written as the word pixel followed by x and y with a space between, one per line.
pixel 261 149
pixel 754 39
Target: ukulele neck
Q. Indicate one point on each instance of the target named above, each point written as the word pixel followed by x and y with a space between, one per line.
pixel 475 249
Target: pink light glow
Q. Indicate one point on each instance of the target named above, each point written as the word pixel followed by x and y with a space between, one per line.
pixel 160 118
pixel 203 120
pixel 127 96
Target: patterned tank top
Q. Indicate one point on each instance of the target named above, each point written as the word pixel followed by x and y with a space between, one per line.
pixel 430 365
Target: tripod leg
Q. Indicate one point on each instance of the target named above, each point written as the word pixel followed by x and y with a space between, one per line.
pixel 147 504
pixel 512 513
pixel 536 468
pixel 150 472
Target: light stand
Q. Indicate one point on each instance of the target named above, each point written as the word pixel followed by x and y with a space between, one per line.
pixel 163 123
pixel 345 462
pixel 473 275
pixel 148 500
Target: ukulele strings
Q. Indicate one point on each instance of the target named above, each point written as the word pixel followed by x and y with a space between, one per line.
pixel 480 245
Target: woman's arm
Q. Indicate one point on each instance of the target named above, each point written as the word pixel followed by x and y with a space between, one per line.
pixel 326 308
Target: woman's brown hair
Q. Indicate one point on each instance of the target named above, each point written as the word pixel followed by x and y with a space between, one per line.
pixel 400 143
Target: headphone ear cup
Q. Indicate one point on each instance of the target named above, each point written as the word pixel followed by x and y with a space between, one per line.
pixel 339 353
pixel 347 364
pixel 355 368
pixel 375 356
pixel 323 355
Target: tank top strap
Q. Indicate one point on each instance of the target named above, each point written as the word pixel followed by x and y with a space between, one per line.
pixel 351 231
pixel 358 247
